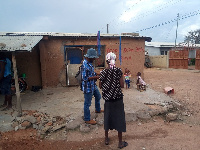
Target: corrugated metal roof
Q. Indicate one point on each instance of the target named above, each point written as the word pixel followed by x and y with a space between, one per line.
pixel 167 44
pixel 159 44
pixel 13 43
pixel 71 34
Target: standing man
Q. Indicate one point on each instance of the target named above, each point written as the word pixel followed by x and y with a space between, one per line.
pixel 89 87
pixel 5 82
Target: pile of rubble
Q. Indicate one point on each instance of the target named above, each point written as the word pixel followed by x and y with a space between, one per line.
pixel 42 122
pixel 45 124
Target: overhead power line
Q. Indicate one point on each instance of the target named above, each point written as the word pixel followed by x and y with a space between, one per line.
pixel 191 14
pixel 145 14
pixel 122 14
pixel 155 10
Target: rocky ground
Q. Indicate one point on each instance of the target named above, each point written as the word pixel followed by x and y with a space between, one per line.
pixel 150 133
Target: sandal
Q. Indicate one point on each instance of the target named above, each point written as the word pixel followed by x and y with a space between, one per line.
pixel 123 144
pixel 107 141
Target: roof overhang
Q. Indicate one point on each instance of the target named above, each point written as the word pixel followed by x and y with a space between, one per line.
pixel 18 43
pixel 77 35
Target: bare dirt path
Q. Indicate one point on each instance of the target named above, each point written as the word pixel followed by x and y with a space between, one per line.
pixel 155 134
pixel 186 85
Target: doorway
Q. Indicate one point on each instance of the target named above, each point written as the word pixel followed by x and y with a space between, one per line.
pixel 73 58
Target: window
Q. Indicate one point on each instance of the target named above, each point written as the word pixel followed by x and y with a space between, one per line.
pixel 163 52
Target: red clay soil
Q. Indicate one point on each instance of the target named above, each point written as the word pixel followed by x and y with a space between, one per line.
pixel 155 134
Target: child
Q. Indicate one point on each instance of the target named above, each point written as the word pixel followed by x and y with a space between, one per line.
pixel 111 82
pixel 127 76
pixel 141 85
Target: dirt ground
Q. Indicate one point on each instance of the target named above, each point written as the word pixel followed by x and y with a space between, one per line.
pixel 155 134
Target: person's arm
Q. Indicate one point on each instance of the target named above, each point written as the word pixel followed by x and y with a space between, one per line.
pixel 121 81
pixel 2 66
pixel 94 77
pixel 101 78
pixel 97 74
pixel 137 81
pixel 100 84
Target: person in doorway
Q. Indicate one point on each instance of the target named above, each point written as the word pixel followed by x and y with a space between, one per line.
pixel 88 86
pixel 127 76
pixel 141 85
pixel 111 82
pixel 5 82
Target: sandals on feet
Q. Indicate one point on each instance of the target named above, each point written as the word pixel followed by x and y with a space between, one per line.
pixel 124 144
pixel 107 141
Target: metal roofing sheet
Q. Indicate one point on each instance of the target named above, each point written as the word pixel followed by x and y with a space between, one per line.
pixel 159 44
pixel 167 44
pixel 13 43
pixel 70 34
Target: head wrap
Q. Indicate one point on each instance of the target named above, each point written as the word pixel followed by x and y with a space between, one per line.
pixel 110 57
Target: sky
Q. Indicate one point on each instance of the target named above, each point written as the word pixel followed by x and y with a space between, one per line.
pixel 157 19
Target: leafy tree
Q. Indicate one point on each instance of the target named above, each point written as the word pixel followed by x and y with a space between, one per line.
pixel 193 37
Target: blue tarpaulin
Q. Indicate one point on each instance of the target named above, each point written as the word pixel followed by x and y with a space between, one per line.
pixel 120 51
pixel 98 43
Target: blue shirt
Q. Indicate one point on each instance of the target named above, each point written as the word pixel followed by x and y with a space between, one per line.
pixel 87 70
pixel 7 67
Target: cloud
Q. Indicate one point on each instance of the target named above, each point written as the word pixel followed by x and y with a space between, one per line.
pixel 89 16
pixel 188 25
pixel 140 9
pixel 189 28
pixel 38 24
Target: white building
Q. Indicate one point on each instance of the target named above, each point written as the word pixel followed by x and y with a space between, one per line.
pixel 161 48
pixel 158 48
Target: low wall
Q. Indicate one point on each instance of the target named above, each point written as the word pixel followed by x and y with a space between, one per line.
pixel 161 61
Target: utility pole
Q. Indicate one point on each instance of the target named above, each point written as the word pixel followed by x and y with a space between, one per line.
pixel 107 28
pixel 176 29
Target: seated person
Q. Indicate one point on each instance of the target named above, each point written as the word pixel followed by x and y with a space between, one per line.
pixel 141 85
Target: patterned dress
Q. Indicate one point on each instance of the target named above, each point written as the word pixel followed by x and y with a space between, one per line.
pixel 114 115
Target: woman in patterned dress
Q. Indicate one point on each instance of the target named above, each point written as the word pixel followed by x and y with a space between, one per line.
pixel 111 82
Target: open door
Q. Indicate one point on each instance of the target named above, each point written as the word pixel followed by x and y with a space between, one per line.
pixel 74 57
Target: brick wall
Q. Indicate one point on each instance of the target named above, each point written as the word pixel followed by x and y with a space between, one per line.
pixel 52 56
pixel 29 63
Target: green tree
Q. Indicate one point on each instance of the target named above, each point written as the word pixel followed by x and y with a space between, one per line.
pixel 193 37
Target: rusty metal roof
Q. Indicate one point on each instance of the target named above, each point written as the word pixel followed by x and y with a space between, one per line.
pixel 55 34
pixel 18 42
pixel 66 34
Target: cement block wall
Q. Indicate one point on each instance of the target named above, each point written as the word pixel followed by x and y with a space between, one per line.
pixel 161 61
pixel 152 51
pixel 53 65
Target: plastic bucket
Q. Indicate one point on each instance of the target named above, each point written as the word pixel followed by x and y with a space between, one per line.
pixel 24 75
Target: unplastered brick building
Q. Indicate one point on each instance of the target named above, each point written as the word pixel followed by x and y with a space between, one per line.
pixel 54 59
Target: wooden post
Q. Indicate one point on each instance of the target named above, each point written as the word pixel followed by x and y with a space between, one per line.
pixel 19 108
